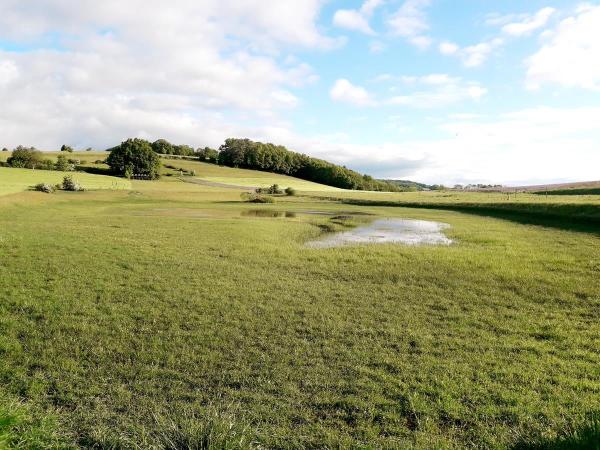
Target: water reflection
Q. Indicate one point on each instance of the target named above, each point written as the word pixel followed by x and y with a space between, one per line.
pixel 404 231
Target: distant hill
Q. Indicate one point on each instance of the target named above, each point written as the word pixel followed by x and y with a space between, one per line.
pixel 410 185
pixel 579 188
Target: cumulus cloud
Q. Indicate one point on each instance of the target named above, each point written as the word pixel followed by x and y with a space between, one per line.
pixel 437 90
pixel 410 22
pixel 423 92
pixel 519 147
pixel 570 56
pixel 448 48
pixel 472 55
pixel 530 23
pixel 513 148
pixel 352 20
pixel 182 72
pixel 357 20
pixel 346 92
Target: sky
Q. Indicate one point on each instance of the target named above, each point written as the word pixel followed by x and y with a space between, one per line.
pixel 437 91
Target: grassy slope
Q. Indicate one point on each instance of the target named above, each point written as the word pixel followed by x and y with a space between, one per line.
pixel 17 180
pixel 208 172
pixel 167 316
pixel 249 178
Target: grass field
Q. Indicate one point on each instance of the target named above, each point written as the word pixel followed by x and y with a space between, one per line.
pixel 18 180
pixel 166 317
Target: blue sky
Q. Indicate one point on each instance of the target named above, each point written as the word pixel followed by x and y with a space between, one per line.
pixel 441 91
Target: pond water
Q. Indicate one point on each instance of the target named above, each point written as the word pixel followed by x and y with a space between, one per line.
pixel 380 231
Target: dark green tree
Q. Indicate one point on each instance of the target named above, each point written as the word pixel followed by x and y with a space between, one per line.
pixel 66 148
pixel 163 147
pixel 28 158
pixel 134 157
pixel 62 164
pixel 208 154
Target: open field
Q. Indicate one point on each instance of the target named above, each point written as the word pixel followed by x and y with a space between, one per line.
pixel 18 180
pixel 166 315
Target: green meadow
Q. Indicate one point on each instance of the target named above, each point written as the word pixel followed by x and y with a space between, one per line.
pixel 169 314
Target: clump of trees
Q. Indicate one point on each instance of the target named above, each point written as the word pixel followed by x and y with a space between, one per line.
pixel 134 157
pixel 63 164
pixel 248 154
pixel 272 190
pixel 66 148
pixel 25 158
pixel 164 147
pixel 208 154
pixel 30 158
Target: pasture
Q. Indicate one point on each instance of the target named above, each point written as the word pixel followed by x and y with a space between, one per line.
pixel 167 316
pixel 18 180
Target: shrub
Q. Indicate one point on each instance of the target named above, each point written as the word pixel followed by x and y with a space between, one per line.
pixel 4 149
pixel 62 164
pixel 208 154
pixel 26 158
pixel 69 184
pixel 256 198
pixel 44 187
pixel 273 190
pixel 290 191
pixel 133 157
pixel 47 164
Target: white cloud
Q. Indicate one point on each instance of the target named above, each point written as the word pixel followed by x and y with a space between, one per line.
pixel 421 42
pixel 376 47
pixel 520 147
pixel 345 92
pixel 352 20
pixel 434 90
pixel 530 23
pixel 410 22
pixel 448 48
pixel 369 6
pixel 8 72
pixel 476 55
pixel 472 55
pixel 438 90
pixel 187 72
pixel 571 57
pixel 357 20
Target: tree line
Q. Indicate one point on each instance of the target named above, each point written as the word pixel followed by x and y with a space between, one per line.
pixel 133 156
pixel 140 157
pixel 248 154
pixel 31 158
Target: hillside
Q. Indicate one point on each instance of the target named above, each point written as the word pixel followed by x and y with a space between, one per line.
pixel 240 178
pixel 18 180
pixel 409 185
pixel 15 180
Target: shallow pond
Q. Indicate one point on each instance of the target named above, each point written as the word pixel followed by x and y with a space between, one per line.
pixel 380 231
